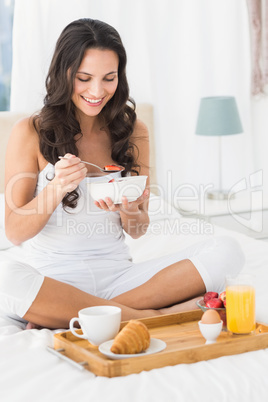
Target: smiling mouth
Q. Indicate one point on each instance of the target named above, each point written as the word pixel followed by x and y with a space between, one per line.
pixel 94 102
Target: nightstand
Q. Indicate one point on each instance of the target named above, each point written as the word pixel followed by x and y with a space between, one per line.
pixel 247 213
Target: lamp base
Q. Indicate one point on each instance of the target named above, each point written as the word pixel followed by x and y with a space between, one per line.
pixel 219 195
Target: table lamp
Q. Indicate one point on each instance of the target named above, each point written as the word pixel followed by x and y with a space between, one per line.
pixel 218 116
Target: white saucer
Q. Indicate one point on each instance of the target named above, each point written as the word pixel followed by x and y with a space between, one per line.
pixel 156 345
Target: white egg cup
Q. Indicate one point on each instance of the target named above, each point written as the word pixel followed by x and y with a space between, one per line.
pixel 210 331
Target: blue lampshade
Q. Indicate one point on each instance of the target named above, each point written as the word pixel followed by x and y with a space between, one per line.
pixel 218 115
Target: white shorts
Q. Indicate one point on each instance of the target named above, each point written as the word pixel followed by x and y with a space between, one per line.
pixel 20 283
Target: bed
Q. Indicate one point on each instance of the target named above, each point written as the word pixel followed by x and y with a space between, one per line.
pixel 29 372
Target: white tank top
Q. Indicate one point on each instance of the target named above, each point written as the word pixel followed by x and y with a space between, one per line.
pixel 85 232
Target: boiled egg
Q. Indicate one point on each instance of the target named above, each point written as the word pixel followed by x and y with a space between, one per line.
pixel 210 317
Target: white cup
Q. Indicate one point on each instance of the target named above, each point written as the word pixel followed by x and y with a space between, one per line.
pixel 99 323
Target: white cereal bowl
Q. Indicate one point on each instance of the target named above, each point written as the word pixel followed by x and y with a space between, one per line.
pixel 131 187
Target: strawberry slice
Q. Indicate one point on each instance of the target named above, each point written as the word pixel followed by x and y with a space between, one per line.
pixel 110 181
pixel 111 167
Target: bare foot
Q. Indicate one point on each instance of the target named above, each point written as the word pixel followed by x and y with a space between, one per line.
pixel 181 307
pixel 31 325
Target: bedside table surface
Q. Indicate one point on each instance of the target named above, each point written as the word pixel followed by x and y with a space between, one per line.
pixel 254 201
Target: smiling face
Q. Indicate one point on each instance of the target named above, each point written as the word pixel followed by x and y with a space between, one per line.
pixel 96 81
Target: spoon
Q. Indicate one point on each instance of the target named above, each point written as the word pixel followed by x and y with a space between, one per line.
pixel 107 168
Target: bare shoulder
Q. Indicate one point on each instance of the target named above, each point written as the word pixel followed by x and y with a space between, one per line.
pixel 140 141
pixel 23 143
pixel 140 136
pixel 140 131
pixel 24 129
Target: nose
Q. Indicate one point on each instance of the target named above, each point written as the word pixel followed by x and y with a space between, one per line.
pixel 95 89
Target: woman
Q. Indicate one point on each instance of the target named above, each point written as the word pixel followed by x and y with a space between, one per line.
pixel 87 115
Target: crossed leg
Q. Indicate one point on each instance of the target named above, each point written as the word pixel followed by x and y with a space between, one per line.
pixel 172 285
pixel 57 302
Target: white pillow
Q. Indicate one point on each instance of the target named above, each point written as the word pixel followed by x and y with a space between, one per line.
pixel 4 242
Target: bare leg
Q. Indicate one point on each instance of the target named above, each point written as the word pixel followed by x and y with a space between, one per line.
pixel 57 302
pixel 178 282
pixel 31 325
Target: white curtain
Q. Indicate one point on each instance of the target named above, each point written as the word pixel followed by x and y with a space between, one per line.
pixel 178 51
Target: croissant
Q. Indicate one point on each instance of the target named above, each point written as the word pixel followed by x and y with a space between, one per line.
pixel 133 338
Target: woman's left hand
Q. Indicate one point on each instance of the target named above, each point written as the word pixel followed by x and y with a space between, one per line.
pixel 126 206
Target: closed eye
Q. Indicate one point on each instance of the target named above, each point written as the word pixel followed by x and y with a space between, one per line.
pixel 88 79
pixel 80 79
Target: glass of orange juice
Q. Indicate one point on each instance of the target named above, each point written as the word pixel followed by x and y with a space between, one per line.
pixel 240 304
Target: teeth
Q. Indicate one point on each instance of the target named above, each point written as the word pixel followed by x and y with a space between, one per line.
pixel 91 100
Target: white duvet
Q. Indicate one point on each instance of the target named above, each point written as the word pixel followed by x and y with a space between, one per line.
pixel 28 372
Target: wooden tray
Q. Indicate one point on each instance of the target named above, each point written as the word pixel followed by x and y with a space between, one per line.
pixel 185 344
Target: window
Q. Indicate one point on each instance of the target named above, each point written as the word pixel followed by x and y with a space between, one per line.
pixel 6 23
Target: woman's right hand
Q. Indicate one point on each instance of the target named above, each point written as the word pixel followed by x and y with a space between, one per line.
pixel 69 173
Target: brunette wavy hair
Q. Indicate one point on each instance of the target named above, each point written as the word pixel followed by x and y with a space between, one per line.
pixel 56 123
